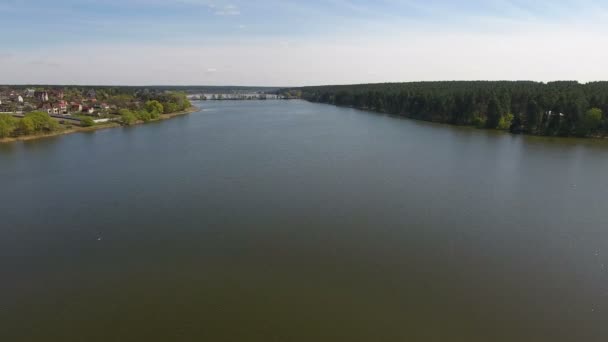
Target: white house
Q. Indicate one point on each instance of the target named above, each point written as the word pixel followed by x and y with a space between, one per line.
pixel 88 110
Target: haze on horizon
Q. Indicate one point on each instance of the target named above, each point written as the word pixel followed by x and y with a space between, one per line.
pixel 293 43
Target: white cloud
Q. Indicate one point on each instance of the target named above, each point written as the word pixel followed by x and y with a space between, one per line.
pixel 228 10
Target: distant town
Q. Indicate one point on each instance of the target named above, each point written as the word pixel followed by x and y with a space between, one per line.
pixel 54 101
pixel 27 111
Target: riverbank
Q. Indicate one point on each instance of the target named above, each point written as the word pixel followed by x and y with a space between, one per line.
pixel 76 129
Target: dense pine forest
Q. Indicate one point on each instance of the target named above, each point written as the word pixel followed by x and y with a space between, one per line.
pixel 565 108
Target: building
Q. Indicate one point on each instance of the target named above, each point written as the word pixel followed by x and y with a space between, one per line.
pixel 101 106
pixel 41 96
pixel 88 110
pixel 20 99
pixel 29 92
pixel 47 107
pixel 75 107
pixel 58 94
pixel 62 106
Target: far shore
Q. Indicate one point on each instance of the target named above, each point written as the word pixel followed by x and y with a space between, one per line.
pixel 76 129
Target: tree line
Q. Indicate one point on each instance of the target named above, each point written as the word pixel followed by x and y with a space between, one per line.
pixel 565 108
pixel 31 123
pixel 155 105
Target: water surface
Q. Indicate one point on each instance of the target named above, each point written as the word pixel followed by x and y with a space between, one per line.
pixel 291 221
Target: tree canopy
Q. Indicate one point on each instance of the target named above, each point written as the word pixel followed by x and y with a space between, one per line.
pixel 555 108
pixel 35 122
pixel 87 122
pixel 127 117
pixel 7 125
pixel 154 106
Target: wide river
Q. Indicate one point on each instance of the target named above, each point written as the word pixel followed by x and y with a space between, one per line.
pixel 291 221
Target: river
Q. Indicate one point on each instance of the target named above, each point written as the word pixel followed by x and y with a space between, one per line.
pixel 292 221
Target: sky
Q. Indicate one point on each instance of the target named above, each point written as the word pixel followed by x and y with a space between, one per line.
pixel 296 43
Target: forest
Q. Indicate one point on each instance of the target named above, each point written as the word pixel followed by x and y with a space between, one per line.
pixel 564 108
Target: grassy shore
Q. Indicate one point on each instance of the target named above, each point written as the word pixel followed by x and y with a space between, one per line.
pixel 63 130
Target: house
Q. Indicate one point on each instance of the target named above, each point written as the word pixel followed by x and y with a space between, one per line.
pixel 5 108
pixel 41 96
pixel 47 107
pixel 58 94
pixel 19 99
pixel 62 107
pixel 75 107
pixel 91 94
pixel 100 106
pixel 88 110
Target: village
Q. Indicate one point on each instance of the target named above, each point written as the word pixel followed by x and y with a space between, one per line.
pixel 18 102
pixel 36 111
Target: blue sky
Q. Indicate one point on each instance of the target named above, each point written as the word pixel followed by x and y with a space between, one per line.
pixel 287 42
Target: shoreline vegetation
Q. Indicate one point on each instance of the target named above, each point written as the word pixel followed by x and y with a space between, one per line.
pixel 554 109
pixel 97 127
pixel 41 113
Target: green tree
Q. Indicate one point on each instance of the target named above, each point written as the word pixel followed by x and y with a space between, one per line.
pixel 144 115
pixel 7 125
pixel 154 106
pixel 533 116
pixel 590 122
pixel 121 100
pixel 170 107
pixel 505 121
pixel 493 114
pixel 27 125
pixel 42 121
pixel 479 122
pixel 87 122
pixel 127 117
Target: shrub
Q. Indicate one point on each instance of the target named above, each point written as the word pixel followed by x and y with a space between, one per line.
pixel 127 117
pixel 479 122
pixel 41 121
pixel 144 115
pixel 87 122
pixel 27 125
pixel 154 106
pixel 7 125
pixel 505 121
